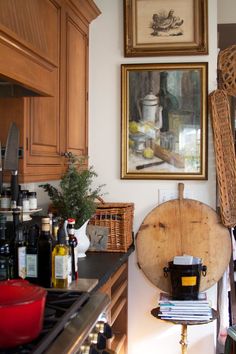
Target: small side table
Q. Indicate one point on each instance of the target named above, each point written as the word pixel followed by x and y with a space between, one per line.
pixel 184 325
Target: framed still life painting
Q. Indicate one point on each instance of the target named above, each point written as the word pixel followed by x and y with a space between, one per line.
pixel 165 27
pixel 164 121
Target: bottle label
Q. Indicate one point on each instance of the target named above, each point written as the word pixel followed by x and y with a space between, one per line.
pixel 31 265
pixel 22 262
pixel 61 267
pixel 26 205
pixel 5 203
pixel 4 274
pixel 45 227
pixel 69 262
pixel 33 203
pixel 76 258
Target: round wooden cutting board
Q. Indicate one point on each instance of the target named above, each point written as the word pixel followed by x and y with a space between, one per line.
pixel 183 226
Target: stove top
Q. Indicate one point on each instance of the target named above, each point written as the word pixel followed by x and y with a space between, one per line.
pixel 61 307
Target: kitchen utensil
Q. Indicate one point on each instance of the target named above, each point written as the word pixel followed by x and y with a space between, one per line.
pixel 182 226
pixel 11 159
pixel 21 312
pixel 1 168
pixel 140 167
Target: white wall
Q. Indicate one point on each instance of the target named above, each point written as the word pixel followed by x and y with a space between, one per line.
pixel 146 334
pixel 226 11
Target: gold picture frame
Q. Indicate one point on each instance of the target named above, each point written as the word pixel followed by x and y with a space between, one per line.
pixel 164 121
pixel 165 27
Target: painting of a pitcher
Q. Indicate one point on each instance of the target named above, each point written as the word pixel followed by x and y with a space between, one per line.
pixel 164 121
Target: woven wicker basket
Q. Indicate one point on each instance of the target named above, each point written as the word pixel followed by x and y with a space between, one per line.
pixel 118 218
pixel 225 156
pixel 227 70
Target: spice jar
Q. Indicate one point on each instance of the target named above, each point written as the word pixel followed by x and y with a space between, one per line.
pixel 32 200
pixel 6 199
pixel 25 200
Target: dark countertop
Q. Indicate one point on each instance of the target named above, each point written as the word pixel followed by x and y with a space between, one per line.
pixel 101 265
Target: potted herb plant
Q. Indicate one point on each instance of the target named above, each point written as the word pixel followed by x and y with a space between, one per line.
pixel 75 197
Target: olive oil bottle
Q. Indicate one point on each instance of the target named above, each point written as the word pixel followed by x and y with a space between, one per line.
pixel 60 256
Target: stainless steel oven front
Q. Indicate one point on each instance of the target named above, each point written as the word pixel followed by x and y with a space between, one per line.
pixel 87 331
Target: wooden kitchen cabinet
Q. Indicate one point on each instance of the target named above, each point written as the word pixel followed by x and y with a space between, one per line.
pixel 29 47
pixel 52 126
pixel 117 289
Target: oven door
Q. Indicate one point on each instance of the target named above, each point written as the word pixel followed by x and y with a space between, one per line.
pixel 87 330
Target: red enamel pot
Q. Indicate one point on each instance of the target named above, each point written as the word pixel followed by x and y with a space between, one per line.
pixel 21 312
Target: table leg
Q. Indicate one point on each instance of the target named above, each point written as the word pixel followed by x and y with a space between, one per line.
pixel 183 340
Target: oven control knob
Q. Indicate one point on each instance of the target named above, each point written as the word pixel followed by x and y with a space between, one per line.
pixel 84 349
pixel 93 349
pixel 93 337
pixel 101 341
pixel 104 328
pixel 107 331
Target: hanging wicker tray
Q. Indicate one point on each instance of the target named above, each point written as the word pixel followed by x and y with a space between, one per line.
pixel 225 156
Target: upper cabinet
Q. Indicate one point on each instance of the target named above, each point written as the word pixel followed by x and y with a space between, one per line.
pixel 53 36
pixel 29 43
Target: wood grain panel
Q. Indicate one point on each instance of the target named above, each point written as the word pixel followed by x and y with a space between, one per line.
pixel 76 89
pixel 183 226
pixel 32 23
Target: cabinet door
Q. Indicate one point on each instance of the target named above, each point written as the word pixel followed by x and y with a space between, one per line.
pixel 76 85
pixel 43 155
pixel 43 145
pixel 29 47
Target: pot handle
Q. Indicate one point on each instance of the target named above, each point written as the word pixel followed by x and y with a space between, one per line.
pixel 166 270
pixel 204 270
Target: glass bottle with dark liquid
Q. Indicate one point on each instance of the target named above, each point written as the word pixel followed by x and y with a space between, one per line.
pixel 19 246
pixel 45 255
pixel 6 260
pixel 32 254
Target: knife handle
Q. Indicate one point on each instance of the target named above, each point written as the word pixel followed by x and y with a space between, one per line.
pixel 14 186
pixel 1 180
pixel 139 167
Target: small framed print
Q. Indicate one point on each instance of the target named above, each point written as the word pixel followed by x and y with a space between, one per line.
pixel 165 27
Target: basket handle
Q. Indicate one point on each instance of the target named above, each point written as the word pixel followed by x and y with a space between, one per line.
pixel 100 200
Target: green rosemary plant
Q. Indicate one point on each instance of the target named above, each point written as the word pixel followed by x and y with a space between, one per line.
pixel 75 198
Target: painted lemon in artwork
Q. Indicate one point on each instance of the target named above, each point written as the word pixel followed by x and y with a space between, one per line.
pixel 133 127
pixel 148 153
pixel 131 143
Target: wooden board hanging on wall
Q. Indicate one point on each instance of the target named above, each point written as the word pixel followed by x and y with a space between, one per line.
pixel 183 226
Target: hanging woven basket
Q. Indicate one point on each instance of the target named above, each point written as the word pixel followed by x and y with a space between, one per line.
pixel 227 69
pixel 225 156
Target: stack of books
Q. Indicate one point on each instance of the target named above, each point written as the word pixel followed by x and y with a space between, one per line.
pixel 184 310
